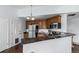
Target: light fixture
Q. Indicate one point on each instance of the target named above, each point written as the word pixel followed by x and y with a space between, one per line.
pixel 31 16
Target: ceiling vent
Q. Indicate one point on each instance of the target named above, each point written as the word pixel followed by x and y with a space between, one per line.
pixel 71 14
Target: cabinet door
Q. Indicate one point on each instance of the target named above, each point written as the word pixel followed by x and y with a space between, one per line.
pixel 4 34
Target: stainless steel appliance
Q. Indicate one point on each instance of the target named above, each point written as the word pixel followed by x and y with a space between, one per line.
pixel 55 26
pixel 31 30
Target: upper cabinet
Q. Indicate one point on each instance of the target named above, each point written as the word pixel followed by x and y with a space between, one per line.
pixel 44 23
pixel 40 23
pixel 55 19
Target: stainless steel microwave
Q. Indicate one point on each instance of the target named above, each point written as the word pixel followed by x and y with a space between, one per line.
pixel 55 26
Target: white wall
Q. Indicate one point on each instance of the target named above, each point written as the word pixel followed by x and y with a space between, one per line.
pixel 73 27
pixel 9 13
pixel 45 9
pixel 22 23
pixel 4 36
pixel 63 22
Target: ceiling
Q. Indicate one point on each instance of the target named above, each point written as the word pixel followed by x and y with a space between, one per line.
pixel 42 16
pixel 52 15
pixel 76 14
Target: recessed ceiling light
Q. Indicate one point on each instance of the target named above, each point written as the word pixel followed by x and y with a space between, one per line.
pixel 71 14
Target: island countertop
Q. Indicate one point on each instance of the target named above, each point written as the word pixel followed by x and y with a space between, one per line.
pixel 46 37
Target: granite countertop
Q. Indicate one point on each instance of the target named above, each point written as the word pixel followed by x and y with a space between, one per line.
pixel 48 37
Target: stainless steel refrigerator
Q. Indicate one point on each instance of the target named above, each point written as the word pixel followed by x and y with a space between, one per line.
pixel 32 30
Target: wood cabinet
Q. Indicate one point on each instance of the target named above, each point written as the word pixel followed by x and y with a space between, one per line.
pixel 44 23
pixel 41 23
pixel 55 19
pixel 26 35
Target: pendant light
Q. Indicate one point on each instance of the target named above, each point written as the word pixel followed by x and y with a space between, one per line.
pixel 31 16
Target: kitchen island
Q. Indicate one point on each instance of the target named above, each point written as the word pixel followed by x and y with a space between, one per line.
pixel 57 44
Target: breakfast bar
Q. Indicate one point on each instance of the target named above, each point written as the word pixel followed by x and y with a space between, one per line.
pixel 47 37
pixel 61 43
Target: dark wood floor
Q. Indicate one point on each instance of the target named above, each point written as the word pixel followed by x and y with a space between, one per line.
pixel 75 48
pixel 15 49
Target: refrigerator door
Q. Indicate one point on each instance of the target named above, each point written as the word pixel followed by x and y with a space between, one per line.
pixel 32 31
pixel 30 27
pixel 30 34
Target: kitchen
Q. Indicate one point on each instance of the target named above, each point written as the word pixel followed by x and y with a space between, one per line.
pixel 47 33
pixel 48 30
